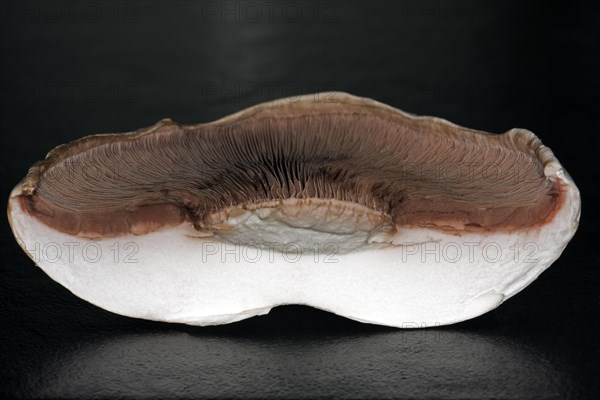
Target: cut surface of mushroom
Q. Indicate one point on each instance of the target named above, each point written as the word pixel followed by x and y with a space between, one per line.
pixel 333 201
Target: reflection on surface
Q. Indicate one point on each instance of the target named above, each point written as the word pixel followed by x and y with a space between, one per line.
pixel 181 361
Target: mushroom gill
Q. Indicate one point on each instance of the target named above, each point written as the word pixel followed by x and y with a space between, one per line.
pixel 413 171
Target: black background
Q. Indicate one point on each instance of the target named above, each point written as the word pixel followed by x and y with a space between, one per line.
pixel 70 69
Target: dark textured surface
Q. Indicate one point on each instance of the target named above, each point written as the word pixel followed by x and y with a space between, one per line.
pixel 70 70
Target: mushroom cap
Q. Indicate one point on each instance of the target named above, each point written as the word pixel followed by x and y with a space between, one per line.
pixel 333 201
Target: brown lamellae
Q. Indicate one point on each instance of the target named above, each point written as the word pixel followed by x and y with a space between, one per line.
pixel 420 171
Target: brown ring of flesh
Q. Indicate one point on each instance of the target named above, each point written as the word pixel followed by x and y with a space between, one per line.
pixel 352 151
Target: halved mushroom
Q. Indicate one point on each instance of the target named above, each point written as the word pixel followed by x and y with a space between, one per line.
pixel 333 201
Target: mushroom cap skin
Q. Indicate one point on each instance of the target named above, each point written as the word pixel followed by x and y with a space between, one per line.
pixel 328 200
